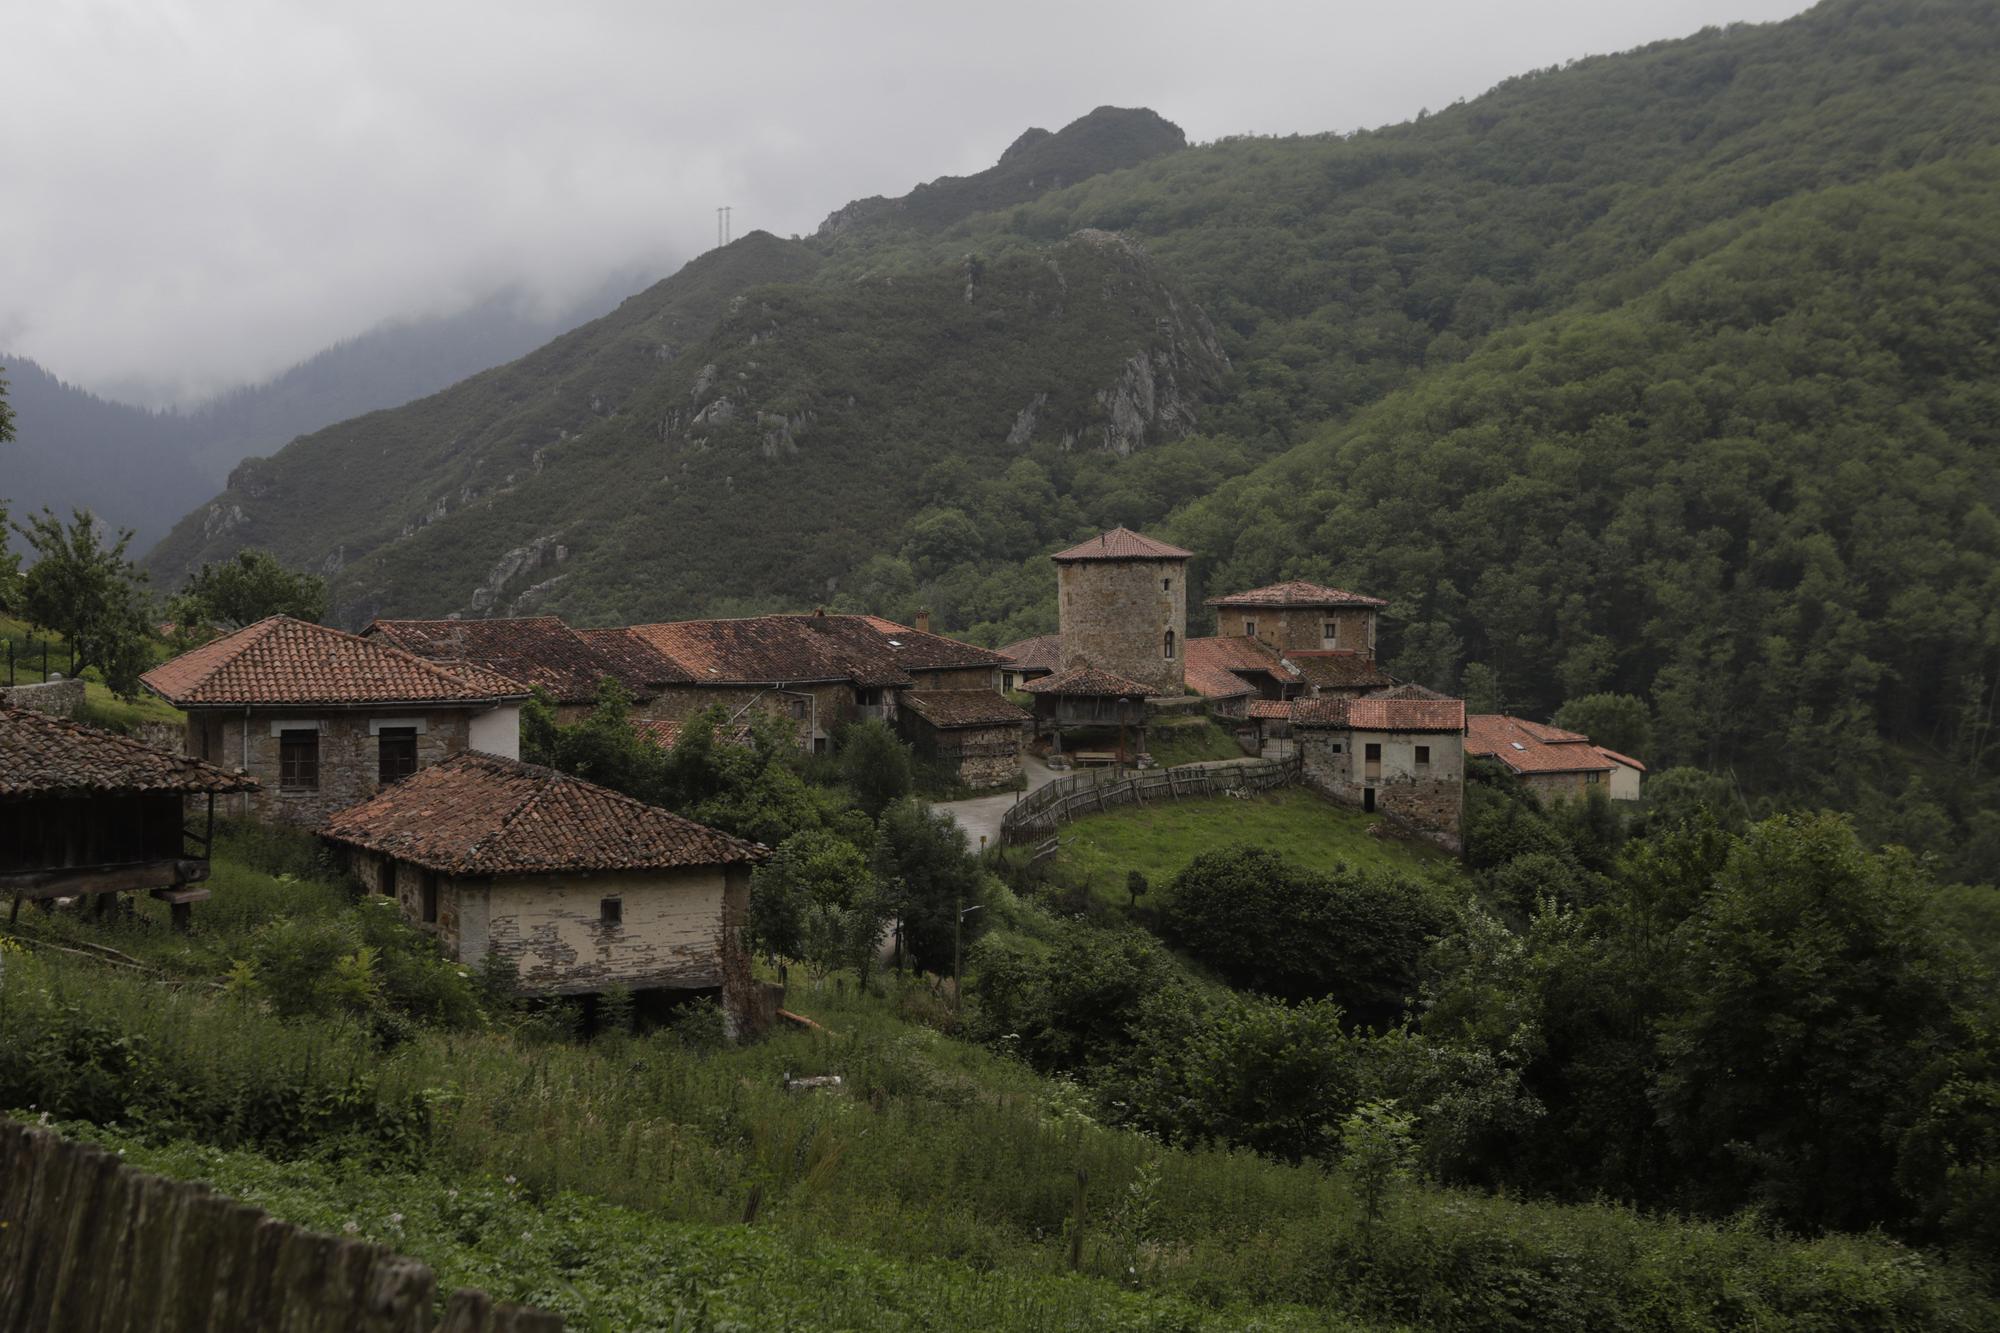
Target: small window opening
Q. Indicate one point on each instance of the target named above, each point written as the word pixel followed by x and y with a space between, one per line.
pixel 1250 629
pixel 1423 756
pixel 1166 585
pixel 298 760
pixel 1329 634
pixel 397 754
pixel 1168 644
pixel 611 911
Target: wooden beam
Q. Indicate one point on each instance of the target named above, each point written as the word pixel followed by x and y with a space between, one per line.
pixel 70 881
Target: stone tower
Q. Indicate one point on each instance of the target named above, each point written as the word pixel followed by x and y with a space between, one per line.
pixel 1122 599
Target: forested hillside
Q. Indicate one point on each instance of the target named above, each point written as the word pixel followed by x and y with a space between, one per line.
pixel 1667 372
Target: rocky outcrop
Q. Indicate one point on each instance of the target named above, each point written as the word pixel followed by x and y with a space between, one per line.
pixel 544 550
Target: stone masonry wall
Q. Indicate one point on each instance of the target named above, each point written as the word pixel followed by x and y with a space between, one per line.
pixel 1430 801
pixel 349 757
pixel 985 756
pixel 1302 629
pixel 57 698
pixel 1115 615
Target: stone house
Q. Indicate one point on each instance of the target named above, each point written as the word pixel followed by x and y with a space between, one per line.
pixel 1298 616
pixel 1121 601
pixel 1232 672
pixel 89 812
pixel 1337 673
pixel 820 670
pixel 1554 764
pixel 579 887
pixel 975 733
pixel 322 719
pixel 1398 752
pixel 1030 659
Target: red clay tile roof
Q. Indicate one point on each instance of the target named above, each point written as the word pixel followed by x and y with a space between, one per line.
pixel 1279 710
pixel 1122 544
pixel 285 661
pixel 1211 665
pixel 1041 653
pixel 1405 708
pixel 1531 747
pixel 478 814
pixel 1618 758
pixel 538 651
pixel 1087 681
pixel 51 756
pixel 636 663
pixel 666 732
pixel 764 650
pixel 962 708
pixel 1296 592
pixel 1338 669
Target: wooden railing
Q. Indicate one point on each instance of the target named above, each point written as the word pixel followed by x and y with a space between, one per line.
pixel 1040 813
pixel 87 1243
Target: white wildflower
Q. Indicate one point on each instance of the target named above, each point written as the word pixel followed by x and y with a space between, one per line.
pixel 350 1227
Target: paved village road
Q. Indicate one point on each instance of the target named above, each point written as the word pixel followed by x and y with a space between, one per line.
pixel 980 817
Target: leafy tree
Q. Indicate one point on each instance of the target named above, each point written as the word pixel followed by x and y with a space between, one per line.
pixel 1814 999
pixel 246 589
pixel 6 413
pixel 1271 926
pixel 929 875
pixel 811 871
pixel 1620 722
pixel 91 595
pixel 876 765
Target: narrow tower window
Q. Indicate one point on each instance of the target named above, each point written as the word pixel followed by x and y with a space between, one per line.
pixel 1168 643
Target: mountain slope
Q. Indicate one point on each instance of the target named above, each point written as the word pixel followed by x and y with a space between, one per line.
pixel 138 469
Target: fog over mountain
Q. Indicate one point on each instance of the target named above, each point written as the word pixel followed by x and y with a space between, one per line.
pixel 201 196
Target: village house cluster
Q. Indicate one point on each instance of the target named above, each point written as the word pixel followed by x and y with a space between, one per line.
pixel 401 746
pixel 1291 661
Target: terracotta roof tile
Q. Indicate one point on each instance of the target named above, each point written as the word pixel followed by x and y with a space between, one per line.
pixel 477 814
pixel 1624 759
pixel 963 708
pixel 1211 665
pixel 538 651
pixel 1087 681
pixel 635 662
pixel 51 756
pixel 1041 653
pixel 1277 709
pixel 287 661
pixel 1296 592
pixel 1338 669
pixel 1531 747
pixel 666 732
pixel 764 650
pixel 1405 708
pixel 1122 544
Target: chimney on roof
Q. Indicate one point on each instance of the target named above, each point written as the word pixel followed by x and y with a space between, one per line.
pixel 819 610
pixel 923 622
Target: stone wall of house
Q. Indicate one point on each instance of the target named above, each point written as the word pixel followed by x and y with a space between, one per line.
pixel 833 702
pixel 1550 788
pixel 349 755
pixel 1115 614
pixel 671 933
pixel 57 698
pixel 958 678
pixel 984 756
pixel 1302 629
pixel 1428 798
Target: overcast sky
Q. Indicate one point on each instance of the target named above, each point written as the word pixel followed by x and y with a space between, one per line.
pixel 201 192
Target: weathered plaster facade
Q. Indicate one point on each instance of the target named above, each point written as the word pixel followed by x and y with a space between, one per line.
pixel 1384 771
pixel 349 752
pixel 1116 615
pixel 672 927
pixel 1549 788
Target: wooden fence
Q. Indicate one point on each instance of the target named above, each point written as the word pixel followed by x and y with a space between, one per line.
pixel 1040 813
pixel 88 1244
